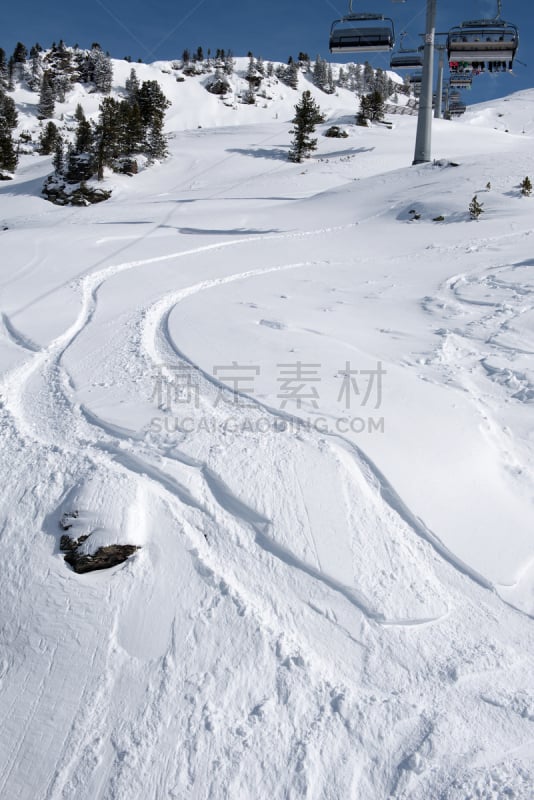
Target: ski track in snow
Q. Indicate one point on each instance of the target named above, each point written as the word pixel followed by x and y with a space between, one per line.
pixel 155 331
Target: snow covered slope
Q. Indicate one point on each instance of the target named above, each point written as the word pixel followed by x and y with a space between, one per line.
pixel 335 590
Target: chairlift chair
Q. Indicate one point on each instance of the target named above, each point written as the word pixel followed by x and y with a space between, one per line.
pixel 484 41
pixel 365 36
pixel 460 81
pixel 457 109
pixel 406 58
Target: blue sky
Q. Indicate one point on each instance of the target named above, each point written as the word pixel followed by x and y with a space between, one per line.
pixel 275 29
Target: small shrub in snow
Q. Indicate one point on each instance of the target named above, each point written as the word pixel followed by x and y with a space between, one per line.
pixel 526 187
pixel 475 208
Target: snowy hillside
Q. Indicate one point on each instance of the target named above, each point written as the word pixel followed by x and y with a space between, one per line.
pixel 308 403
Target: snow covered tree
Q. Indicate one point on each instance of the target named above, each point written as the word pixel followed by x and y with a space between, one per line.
pixel 304 61
pixel 11 74
pixel 58 63
pixel 20 53
pixel 307 116
pixel 100 69
pixel 36 69
pixel 288 74
pixel 292 74
pixel 355 78
pixel 46 98
pixel 132 86
pixel 475 208
pixel 342 78
pixel 253 77
pixel 3 70
pixel 322 76
pixel 152 106
pixel 372 108
pixel 368 77
pixel 229 63
pixel 152 102
pixel 18 61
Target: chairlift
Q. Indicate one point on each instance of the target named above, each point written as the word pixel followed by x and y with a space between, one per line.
pixel 460 81
pixel 365 37
pixel 415 77
pixel 479 41
pixel 457 109
pixel 406 58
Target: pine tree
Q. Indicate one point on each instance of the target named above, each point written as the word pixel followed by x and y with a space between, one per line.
pixel 252 76
pixel 292 74
pixel 526 187
pixel 132 86
pixel 49 139
pixel 475 208
pixel 46 99
pixel 20 53
pixel 107 147
pixel 131 128
pixel 8 153
pixel 36 69
pixel 84 136
pixel 330 87
pixel 8 121
pixel 3 70
pixel 152 106
pixel 100 69
pixel 8 111
pixel 356 78
pixel 372 108
pixel 229 63
pixel 368 77
pixel 319 72
pixel 11 74
pixel 156 141
pixel 307 116
pixel 342 78
pixel 59 157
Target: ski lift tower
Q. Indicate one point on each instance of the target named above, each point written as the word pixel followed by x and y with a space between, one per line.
pixel 424 118
pixel 441 48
